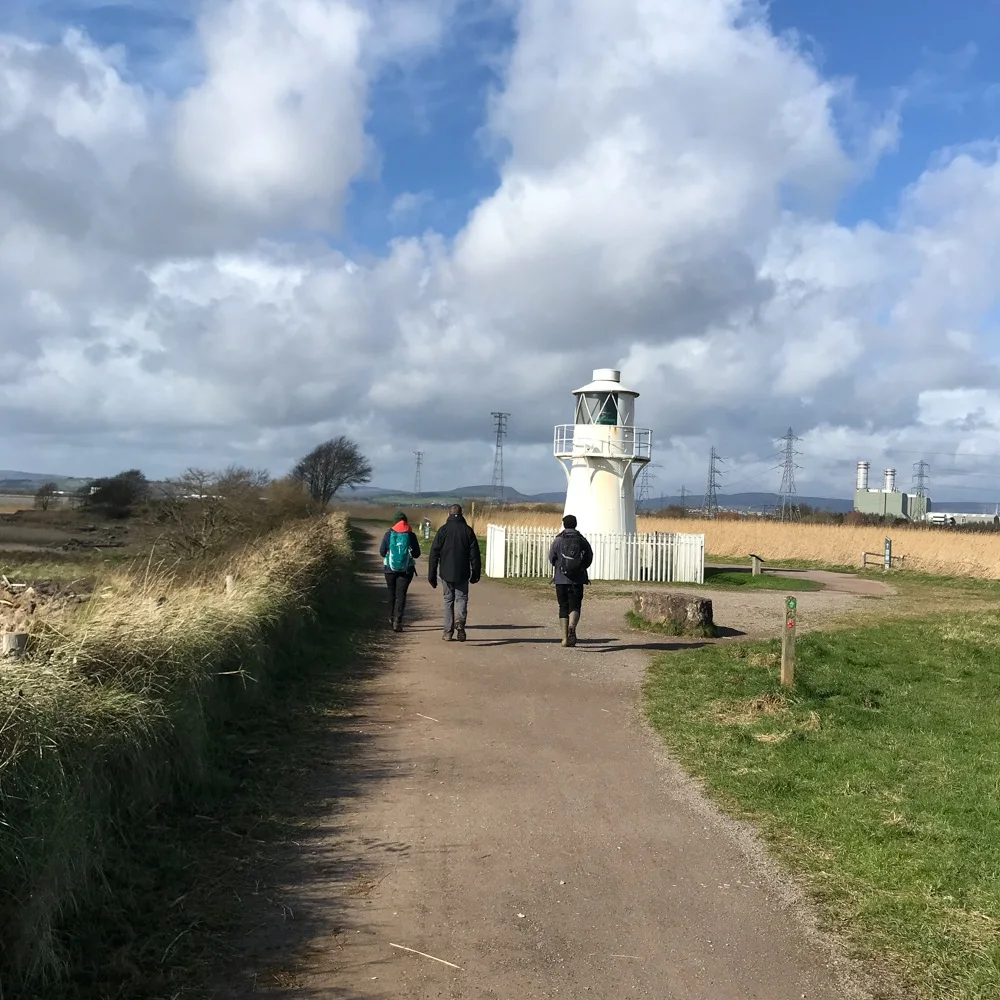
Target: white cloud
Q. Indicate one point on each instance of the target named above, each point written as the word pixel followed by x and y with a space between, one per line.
pixel 667 177
pixel 277 126
pixel 408 205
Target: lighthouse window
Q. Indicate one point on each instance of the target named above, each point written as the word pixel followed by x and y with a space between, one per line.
pixel 598 408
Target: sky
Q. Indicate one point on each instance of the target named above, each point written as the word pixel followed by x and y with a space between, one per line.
pixel 231 229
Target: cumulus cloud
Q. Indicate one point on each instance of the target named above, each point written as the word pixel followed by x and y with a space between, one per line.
pixel 276 128
pixel 667 181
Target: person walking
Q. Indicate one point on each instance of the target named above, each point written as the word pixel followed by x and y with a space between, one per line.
pixel 398 550
pixel 455 551
pixel 570 555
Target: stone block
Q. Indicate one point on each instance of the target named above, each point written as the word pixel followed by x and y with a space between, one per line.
pixel 677 614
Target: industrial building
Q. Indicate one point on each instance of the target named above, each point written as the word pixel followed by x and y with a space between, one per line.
pixel 888 501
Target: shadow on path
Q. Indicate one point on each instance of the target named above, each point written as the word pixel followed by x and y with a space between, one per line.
pixel 287 904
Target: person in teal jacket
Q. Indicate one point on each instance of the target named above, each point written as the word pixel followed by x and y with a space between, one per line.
pixel 398 550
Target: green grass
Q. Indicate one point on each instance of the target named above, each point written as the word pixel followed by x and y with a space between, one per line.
pixel 727 579
pixel 876 779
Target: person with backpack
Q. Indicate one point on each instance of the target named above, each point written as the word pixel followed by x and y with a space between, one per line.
pixel 570 555
pixel 455 551
pixel 398 550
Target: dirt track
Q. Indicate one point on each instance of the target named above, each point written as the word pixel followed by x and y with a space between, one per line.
pixel 521 823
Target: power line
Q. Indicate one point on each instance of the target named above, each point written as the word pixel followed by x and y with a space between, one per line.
pixel 644 485
pixel 921 477
pixel 419 456
pixel 500 426
pixel 789 509
pixel 710 503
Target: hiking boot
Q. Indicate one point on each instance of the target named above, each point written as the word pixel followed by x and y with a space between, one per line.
pixel 447 636
pixel 397 624
pixel 564 627
pixel 460 634
pixel 574 620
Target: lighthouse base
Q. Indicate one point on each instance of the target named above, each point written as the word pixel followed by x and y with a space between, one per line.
pixel 601 496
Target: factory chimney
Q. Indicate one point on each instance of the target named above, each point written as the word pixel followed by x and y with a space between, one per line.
pixel 862 476
pixel 890 481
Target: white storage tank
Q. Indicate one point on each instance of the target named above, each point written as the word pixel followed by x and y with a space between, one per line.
pixel 863 475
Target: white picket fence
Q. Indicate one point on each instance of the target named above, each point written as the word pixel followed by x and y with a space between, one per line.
pixel 656 557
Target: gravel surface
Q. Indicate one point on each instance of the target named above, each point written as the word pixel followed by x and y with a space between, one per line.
pixel 506 809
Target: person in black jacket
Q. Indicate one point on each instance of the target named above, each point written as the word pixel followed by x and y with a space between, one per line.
pixel 398 550
pixel 455 552
pixel 571 556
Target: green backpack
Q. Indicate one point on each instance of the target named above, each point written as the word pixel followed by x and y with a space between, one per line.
pixel 399 559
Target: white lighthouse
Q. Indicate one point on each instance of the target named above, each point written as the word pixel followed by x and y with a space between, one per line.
pixel 603 453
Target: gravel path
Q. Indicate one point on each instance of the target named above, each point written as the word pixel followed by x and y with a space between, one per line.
pixel 506 810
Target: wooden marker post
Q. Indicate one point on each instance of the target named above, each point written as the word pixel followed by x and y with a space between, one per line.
pixel 230 585
pixel 755 563
pixel 788 644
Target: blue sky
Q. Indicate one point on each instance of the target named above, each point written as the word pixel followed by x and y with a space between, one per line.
pixel 939 58
pixel 595 244
pixel 937 61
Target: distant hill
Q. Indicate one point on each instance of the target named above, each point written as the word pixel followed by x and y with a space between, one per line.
pixel 751 502
pixel 14 482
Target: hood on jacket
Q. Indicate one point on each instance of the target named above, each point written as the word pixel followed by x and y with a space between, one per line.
pixel 401 526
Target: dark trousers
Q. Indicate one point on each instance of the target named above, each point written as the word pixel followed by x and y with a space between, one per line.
pixel 398 584
pixel 570 598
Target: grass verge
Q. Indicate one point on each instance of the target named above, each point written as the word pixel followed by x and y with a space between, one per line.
pixel 875 779
pixel 729 579
pixel 120 725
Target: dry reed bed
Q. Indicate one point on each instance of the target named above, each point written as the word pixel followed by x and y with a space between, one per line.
pixel 928 551
pixel 112 715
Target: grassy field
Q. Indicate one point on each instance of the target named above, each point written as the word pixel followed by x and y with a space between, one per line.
pixel 929 551
pixel 875 778
pixel 727 579
pixel 113 719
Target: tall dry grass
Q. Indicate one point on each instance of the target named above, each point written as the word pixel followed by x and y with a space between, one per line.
pixel 477 513
pixel 939 552
pixel 113 712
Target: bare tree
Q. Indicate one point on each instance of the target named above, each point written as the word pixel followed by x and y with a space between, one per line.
pixel 331 466
pixel 202 511
pixel 45 495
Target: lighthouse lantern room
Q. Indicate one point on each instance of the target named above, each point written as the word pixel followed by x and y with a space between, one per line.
pixel 602 454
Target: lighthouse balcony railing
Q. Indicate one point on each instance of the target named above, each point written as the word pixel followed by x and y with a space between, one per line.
pixel 602 441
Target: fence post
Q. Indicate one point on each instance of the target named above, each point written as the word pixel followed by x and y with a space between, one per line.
pixel 14 643
pixel 788 644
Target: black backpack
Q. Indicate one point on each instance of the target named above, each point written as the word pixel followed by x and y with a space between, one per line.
pixel 571 553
